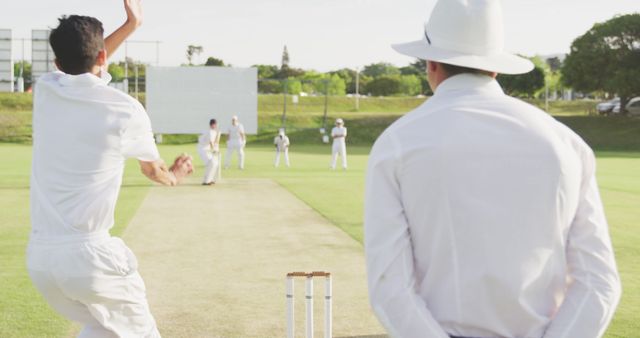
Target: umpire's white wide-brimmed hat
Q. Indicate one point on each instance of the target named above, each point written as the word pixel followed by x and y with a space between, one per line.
pixel 467 33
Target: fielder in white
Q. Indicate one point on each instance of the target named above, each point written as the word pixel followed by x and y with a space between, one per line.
pixel 209 150
pixel 482 213
pixel 339 147
pixel 83 131
pixel 282 147
pixel 236 140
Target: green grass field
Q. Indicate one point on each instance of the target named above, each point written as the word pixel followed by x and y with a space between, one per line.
pixel 24 314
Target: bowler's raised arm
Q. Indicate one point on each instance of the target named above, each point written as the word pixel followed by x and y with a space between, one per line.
pixel 133 8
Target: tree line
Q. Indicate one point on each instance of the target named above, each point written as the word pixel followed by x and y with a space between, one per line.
pixel 604 61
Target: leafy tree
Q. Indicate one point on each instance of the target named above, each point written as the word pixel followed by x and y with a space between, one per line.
pixel 410 85
pixel 267 71
pixel 419 69
pixel 420 65
pixel 384 86
pixel 408 70
pixel 211 61
pixel 607 58
pixel 26 69
pixel 380 69
pixel 349 78
pixel 131 69
pixel 269 86
pixel 26 72
pixel 554 64
pixel 116 70
pixel 523 85
pixel 552 77
pixel 294 86
pixel 193 50
pixel 317 83
pixel 336 84
pixel 312 82
pixel 288 72
pixel 364 82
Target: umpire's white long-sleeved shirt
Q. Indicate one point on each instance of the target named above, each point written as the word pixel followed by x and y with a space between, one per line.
pixel 483 219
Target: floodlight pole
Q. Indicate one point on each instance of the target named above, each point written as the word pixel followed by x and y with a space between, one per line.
pixel 22 63
pixel 284 107
pixel 157 53
pixel 546 95
pixel 135 68
pixel 21 77
pixel 326 103
pixel 126 66
pixel 126 63
pixel 357 88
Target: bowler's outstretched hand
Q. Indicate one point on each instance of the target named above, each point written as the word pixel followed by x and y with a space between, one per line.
pixel 158 172
pixel 182 166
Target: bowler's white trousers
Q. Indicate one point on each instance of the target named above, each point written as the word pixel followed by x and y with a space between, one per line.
pixel 92 279
pixel 339 148
pixel 232 147
pixel 210 160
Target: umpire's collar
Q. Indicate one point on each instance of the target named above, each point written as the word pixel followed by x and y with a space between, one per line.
pixel 469 82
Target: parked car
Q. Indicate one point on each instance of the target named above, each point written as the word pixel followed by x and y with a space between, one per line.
pixel 607 106
pixel 633 107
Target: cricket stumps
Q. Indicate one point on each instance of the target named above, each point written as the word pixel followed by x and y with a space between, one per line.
pixel 309 276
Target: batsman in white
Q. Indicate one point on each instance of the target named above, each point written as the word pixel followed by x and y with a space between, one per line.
pixel 282 147
pixel 482 213
pixel 209 149
pixel 83 131
pixel 236 140
pixel 339 147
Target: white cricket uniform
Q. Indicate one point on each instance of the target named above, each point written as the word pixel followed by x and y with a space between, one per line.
pixel 483 219
pixel 282 147
pixel 83 130
pixel 339 146
pixel 209 154
pixel 235 144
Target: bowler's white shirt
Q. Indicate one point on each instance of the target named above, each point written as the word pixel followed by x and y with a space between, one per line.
pixel 339 131
pixel 83 130
pixel 483 219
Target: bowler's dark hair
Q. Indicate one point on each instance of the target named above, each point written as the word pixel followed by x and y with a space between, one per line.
pixel 76 43
pixel 212 122
pixel 452 70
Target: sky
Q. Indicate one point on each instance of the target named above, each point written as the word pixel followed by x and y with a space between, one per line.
pixel 319 34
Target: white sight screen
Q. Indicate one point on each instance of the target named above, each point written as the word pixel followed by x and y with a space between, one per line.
pixel 41 53
pixel 6 64
pixel 182 100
